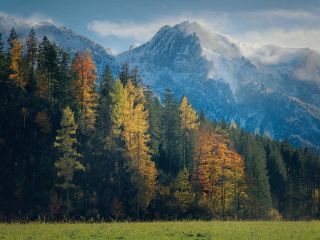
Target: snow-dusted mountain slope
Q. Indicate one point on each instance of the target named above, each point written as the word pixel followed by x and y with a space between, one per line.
pixel 270 88
pixel 62 36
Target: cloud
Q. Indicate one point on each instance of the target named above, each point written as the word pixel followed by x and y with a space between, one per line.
pixel 33 20
pixel 138 32
pixel 294 38
pixel 310 69
pixel 300 15
pixel 286 28
pixel 143 31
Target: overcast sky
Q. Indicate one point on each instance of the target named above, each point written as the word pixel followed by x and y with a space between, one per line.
pixel 120 23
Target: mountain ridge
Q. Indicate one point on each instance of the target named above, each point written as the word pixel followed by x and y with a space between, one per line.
pixel 267 89
pixel 64 37
pixel 228 83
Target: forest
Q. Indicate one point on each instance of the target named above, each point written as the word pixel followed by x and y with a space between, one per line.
pixel 77 146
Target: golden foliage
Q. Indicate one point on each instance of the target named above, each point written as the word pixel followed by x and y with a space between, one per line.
pixel 130 122
pixel 85 89
pixel 135 134
pixel 16 72
pixel 189 118
pixel 219 171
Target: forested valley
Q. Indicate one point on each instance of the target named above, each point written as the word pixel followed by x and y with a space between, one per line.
pixel 76 147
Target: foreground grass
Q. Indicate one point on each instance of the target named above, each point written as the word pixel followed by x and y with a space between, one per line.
pixel 163 230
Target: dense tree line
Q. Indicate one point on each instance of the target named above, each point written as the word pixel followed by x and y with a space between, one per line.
pixel 75 147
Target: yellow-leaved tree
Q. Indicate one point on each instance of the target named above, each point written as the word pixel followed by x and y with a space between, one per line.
pixel 135 134
pixel 16 70
pixel 219 173
pixel 189 122
pixel 130 122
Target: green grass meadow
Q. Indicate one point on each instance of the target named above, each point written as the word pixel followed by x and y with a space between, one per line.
pixel 163 230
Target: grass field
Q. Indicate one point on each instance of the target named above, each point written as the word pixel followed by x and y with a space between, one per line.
pixel 164 230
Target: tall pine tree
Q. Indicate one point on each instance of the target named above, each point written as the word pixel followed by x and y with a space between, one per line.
pixel 66 143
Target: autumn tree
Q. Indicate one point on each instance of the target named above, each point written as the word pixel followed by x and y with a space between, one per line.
pixel 115 142
pixel 66 143
pixel 16 64
pixel 135 134
pixel 189 122
pixel 231 181
pixel 219 173
pixel 85 89
pixel 130 123
pixel 118 98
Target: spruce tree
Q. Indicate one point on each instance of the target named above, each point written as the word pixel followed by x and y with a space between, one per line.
pixel 2 60
pixel 66 144
pixel 31 61
pixel 259 202
pixel 171 159
pixel 48 71
pixel 104 103
pixel 183 190
pixel 124 73
pixel 12 37
pixel 154 108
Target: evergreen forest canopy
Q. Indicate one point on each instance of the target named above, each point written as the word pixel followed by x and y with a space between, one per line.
pixel 70 149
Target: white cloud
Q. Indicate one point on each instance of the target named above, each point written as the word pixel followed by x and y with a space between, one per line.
pixel 286 28
pixel 284 14
pixel 296 38
pixel 36 19
pixel 141 32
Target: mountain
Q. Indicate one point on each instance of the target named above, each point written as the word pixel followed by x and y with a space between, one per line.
pixel 267 89
pixel 65 38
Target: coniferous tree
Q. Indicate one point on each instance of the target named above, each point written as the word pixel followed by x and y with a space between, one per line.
pixel 2 60
pixel 154 108
pixel 12 37
pixel 104 103
pixel 277 174
pixel 171 158
pixel 31 61
pixel 125 73
pixel 66 88
pixel 259 198
pixel 183 190
pixel 66 143
pixel 48 71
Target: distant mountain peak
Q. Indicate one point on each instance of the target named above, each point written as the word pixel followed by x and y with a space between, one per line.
pixel 64 37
